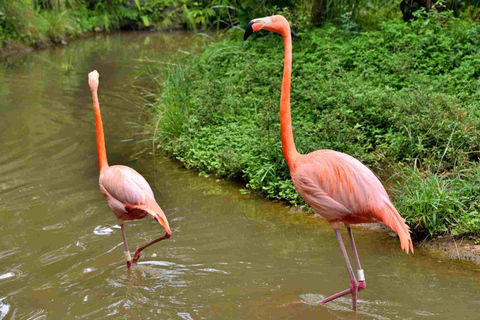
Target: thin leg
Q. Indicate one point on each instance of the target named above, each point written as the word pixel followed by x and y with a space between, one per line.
pixel 137 253
pixel 127 252
pixel 355 253
pixel 353 282
pixel 361 276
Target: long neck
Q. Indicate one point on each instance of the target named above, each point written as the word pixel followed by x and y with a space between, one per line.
pixel 101 151
pixel 288 145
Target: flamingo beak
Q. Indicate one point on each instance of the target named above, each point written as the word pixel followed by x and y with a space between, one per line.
pixel 255 25
pixel 249 30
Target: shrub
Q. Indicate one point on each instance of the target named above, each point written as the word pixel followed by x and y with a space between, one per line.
pixel 404 96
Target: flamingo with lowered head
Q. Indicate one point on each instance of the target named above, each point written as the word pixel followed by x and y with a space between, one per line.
pixel 128 194
pixel 334 184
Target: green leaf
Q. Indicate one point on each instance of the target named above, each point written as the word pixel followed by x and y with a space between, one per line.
pixel 137 3
pixel 145 20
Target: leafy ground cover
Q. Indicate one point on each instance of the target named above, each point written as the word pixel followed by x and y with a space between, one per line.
pixel 403 99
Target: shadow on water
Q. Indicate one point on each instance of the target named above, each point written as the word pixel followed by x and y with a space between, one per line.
pixel 232 256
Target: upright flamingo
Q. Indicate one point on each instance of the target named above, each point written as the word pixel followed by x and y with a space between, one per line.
pixel 334 184
pixel 127 193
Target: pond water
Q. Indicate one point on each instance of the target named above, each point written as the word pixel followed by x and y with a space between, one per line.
pixel 232 255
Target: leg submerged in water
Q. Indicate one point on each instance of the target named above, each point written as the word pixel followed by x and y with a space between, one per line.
pixel 354 284
pixel 127 251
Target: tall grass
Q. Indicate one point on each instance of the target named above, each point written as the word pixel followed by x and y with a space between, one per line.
pixel 173 115
pixel 440 203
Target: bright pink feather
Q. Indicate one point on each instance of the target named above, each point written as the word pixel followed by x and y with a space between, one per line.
pixel 129 195
pixel 342 189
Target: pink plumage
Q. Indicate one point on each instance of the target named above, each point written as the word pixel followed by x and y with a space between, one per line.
pixel 128 194
pixel 342 189
pixel 334 184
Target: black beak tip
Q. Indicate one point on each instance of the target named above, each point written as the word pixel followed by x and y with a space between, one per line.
pixel 249 31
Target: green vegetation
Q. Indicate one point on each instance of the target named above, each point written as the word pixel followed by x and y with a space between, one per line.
pixel 403 99
pixel 39 22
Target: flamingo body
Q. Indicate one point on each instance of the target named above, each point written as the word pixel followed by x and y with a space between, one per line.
pixel 342 189
pixel 128 194
pixel 334 184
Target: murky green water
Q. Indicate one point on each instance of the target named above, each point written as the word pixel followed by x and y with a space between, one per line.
pixel 232 256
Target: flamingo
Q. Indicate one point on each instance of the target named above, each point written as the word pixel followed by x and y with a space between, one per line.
pixel 128 194
pixel 334 184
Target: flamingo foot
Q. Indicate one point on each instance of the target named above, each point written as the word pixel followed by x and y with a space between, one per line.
pixel 167 235
pixel 136 256
pixel 355 287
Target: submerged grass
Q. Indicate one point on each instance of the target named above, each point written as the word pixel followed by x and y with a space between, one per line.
pixel 402 99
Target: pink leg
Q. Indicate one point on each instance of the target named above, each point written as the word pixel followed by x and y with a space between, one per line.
pixel 127 252
pixel 137 253
pixel 353 282
pixel 361 277
pixel 355 253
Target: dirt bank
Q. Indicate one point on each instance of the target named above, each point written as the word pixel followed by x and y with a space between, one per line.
pixel 443 246
pixel 449 247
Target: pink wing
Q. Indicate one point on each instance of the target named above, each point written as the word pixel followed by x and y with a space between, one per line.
pixel 341 188
pixel 316 197
pixel 125 185
pixel 342 178
pixel 129 195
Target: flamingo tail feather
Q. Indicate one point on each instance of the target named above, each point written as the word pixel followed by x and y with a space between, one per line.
pixel 392 219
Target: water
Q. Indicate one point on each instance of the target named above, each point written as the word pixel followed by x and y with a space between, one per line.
pixel 232 255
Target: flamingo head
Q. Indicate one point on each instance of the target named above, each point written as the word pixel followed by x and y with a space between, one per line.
pixel 93 80
pixel 276 24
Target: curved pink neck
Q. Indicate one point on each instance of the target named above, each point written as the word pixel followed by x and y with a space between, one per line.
pixel 101 150
pixel 288 144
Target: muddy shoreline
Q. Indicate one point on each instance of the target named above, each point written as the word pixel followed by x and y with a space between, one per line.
pixel 13 49
pixel 457 249
pixel 446 246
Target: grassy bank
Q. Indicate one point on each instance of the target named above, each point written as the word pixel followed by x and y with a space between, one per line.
pixel 403 99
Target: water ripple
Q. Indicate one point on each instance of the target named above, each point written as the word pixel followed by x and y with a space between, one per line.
pixel 7 275
pixel 185 315
pixel 38 314
pixel 56 255
pixel 212 270
pixel 102 231
pixel 162 264
pixel 4 308
pixel 9 252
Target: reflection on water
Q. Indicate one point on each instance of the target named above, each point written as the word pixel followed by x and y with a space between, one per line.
pixel 232 256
